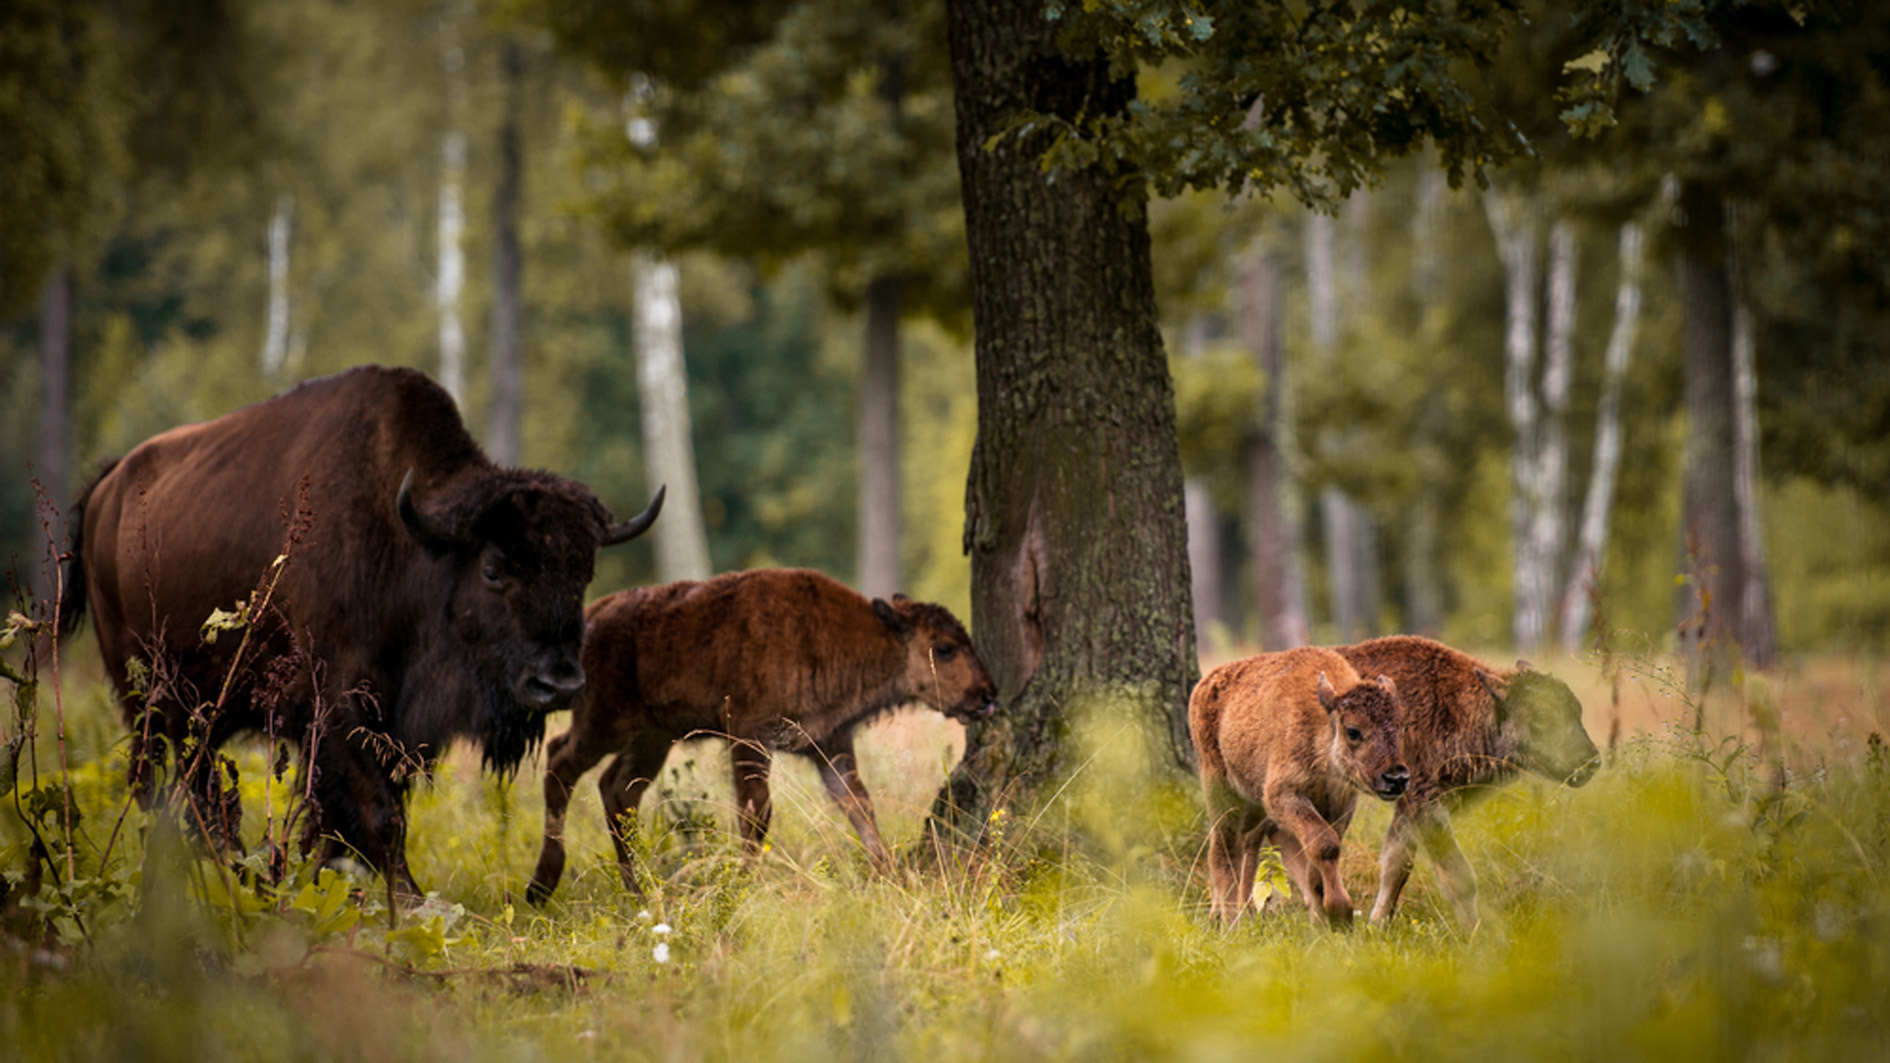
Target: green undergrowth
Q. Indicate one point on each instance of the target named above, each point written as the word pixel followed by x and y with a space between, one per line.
pixel 1689 903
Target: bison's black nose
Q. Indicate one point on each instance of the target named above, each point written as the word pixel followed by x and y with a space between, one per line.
pixel 1585 772
pixel 1393 782
pixel 549 690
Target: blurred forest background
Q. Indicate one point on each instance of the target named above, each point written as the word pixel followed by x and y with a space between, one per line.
pixel 1393 417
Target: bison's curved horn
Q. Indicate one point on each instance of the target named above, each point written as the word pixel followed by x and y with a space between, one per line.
pixel 426 532
pixel 624 531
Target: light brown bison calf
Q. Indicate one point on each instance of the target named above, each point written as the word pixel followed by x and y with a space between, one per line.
pixel 772 659
pixel 1469 728
pixel 1286 742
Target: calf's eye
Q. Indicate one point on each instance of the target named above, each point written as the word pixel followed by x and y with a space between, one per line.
pixel 944 651
pixel 1353 734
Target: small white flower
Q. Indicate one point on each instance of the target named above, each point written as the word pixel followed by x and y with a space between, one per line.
pixel 660 929
pixel 993 956
pixel 643 916
pixel 661 952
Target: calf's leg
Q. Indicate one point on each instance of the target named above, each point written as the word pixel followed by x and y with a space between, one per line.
pixel 753 807
pixel 1233 858
pixel 622 787
pixel 567 758
pixel 1394 864
pixel 1454 873
pixel 840 773
pixel 1325 888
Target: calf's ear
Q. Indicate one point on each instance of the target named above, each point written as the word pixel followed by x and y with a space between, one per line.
pixel 890 617
pixel 1389 687
pixel 1498 689
pixel 1328 697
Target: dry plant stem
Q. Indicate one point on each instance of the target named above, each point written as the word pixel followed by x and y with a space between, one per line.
pixel 46 511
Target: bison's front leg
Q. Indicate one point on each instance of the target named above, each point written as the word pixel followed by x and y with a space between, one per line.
pixel 360 809
pixel 1394 864
pixel 1319 844
pixel 840 773
pixel 1454 874
pixel 753 807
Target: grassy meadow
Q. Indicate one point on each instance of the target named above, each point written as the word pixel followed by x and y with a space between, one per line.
pixel 1717 892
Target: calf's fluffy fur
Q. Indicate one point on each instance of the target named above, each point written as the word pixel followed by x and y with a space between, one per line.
pixel 771 659
pixel 1286 742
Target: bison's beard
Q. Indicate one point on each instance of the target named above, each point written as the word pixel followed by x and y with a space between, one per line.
pixel 510 734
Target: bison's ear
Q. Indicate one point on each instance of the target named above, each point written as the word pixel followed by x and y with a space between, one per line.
pixel 1328 697
pixel 890 617
pixel 1389 687
pixel 1498 689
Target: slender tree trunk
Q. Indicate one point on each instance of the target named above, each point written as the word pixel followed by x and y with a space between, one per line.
pixel 879 441
pixel 1423 568
pixel 53 469
pixel 1074 517
pixel 1205 560
pixel 669 455
pixel 1585 573
pixel 1272 497
pixel 1513 223
pixel 508 356
pixel 1350 556
pixel 1758 635
pixel 1709 600
pixel 275 352
pixel 1548 524
pixel 452 271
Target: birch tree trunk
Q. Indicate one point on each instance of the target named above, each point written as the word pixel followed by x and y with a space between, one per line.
pixel 1423 568
pixel 1584 578
pixel 507 367
pixel 1758 634
pixel 1513 223
pixel 1344 522
pixel 275 352
pixel 878 434
pixel 1548 523
pixel 452 267
pixel 1272 496
pixel 669 456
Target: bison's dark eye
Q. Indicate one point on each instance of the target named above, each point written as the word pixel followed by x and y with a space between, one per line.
pixel 944 651
pixel 491 574
pixel 1353 734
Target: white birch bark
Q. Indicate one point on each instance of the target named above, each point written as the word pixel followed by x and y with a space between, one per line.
pixel 452 267
pixel 1514 226
pixel 1597 505
pixel 669 456
pixel 1276 511
pixel 275 352
pixel 878 439
pixel 1548 522
pixel 1758 637
pixel 1340 516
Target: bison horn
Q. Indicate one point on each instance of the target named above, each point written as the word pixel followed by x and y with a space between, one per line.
pixel 426 532
pixel 624 531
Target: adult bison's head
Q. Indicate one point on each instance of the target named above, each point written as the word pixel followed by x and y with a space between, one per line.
pixel 521 548
pixel 1545 719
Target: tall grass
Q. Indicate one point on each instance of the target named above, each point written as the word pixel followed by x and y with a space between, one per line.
pixel 1689 903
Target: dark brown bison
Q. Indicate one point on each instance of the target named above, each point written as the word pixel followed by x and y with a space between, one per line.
pixel 773 659
pixel 433 596
pixel 1469 728
pixel 1286 742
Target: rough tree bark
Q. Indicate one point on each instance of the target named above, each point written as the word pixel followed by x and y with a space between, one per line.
pixel 1272 497
pixel 1074 516
pixel 878 430
pixel 507 368
pixel 1592 543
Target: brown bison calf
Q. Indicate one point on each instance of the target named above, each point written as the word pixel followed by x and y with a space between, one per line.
pixel 1468 729
pixel 1286 742
pixel 772 659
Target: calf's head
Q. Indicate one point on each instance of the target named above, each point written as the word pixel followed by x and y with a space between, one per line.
pixel 1366 722
pixel 520 547
pixel 1544 719
pixel 941 667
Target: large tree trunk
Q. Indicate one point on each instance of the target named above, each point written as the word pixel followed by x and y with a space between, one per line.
pixel 507 368
pixel 669 453
pixel 1272 495
pixel 275 352
pixel 1585 572
pixel 1074 516
pixel 1709 600
pixel 879 442
pixel 55 430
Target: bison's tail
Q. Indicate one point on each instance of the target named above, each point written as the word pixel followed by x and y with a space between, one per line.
pixel 72 598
